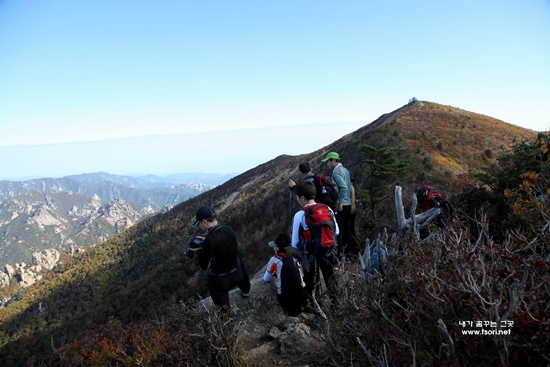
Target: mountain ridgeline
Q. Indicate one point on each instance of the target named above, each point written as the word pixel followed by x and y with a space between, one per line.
pixel 146 190
pixel 140 272
pixel 81 210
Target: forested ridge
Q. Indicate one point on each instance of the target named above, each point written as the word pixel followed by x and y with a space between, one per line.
pixel 140 275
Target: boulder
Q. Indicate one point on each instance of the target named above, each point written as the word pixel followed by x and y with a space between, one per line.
pixel 9 270
pixel 295 339
pixel 4 280
pixel 47 259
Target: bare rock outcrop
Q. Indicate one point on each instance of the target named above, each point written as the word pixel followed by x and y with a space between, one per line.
pixel 9 270
pixel 4 280
pixel 27 275
pixel 266 332
pixel 47 259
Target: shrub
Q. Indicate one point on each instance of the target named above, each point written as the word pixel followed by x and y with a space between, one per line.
pixel 418 313
pixel 190 335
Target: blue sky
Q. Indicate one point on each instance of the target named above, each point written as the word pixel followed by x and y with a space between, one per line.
pixel 183 86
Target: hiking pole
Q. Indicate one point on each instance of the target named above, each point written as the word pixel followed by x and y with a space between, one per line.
pixel 315 285
pixel 290 212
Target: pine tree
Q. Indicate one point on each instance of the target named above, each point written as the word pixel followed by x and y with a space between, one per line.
pixel 384 167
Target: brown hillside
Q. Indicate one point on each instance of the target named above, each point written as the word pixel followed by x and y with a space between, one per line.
pixel 443 142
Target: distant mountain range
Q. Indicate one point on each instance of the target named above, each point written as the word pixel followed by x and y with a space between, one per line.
pixel 156 191
pixel 82 210
pixel 35 221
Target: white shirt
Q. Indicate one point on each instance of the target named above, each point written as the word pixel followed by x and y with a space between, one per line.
pixel 274 267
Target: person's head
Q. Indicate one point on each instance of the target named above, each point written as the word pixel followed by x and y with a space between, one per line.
pixel 305 169
pixel 305 191
pixel 205 218
pixel 280 243
pixel 332 159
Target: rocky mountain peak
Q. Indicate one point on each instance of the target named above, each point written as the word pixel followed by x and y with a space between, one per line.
pixel 119 214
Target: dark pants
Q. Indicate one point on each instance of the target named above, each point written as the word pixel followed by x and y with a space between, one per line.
pixel 346 241
pixel 220 285
pixel 353 234
pixel 292 303
pixel 325 265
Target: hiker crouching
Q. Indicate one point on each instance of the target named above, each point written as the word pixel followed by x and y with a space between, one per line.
pixel 291 292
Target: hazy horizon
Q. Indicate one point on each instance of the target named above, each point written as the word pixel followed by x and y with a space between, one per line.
pixel 168 154
pixel 77 76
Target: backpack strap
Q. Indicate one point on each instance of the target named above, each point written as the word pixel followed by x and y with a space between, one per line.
pixel 214 229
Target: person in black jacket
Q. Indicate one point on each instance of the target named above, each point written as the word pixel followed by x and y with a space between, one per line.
pixel 309 176
pixel 220 256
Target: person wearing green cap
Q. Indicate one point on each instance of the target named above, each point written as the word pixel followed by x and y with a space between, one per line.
pixel 342 177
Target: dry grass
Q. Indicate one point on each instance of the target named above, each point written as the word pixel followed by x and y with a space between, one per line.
pixel 413 315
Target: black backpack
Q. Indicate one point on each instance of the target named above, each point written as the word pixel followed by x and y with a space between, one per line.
pixel 328 190
pixel 291 278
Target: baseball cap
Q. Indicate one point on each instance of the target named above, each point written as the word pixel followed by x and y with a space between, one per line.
pixel 204 212
pixel 281 241
pixel 332 155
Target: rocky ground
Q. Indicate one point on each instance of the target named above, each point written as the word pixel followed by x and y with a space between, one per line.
pixel 266 333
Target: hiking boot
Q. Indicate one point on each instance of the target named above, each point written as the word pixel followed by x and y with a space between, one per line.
pixel 309 308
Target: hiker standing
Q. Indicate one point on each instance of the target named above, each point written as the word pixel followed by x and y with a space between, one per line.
pixel 220 256
pixel 314 259
pixel 342 177
pixel 291 292
pixel 326 188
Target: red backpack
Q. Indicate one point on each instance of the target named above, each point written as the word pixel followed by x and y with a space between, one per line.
pixel 321 232
pixel 429 197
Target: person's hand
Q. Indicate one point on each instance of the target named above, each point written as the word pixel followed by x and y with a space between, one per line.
pixel 340 208
pixel 291 183
pixel 199 247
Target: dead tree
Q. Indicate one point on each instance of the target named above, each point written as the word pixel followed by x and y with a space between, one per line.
pixel 416 221
pixel 377 250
